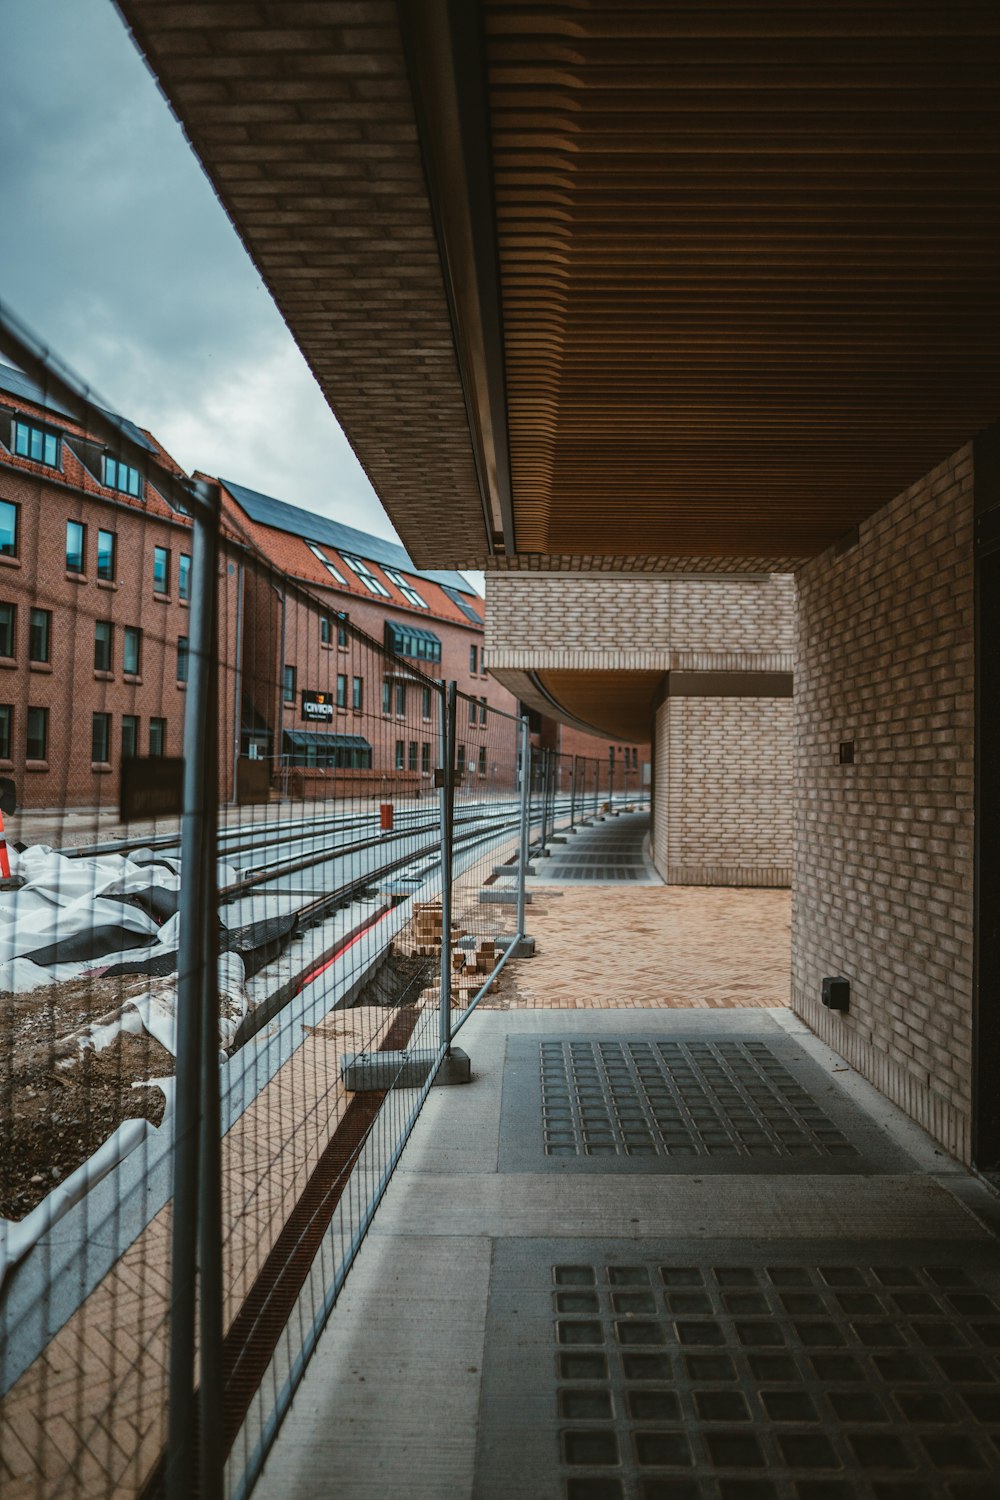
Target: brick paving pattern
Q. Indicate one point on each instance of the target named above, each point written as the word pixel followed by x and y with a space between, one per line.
pixel 646 947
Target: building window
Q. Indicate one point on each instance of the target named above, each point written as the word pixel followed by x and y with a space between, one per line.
pixel 482 710
pixel 482 760
pixel 8 630
pixel 460 767
pixel 472 710
pixel 40 635
pixel 161 570
pixel 400 755
pixel 35 443
pixel 106 549
pixel 6 730
pixel 8 528
pixel 412 640
pixel 157 736
pixel 102 645
pixel 342 633
pixel 341 690
pixel 121 476
pixel 425 758
pixel 406 588
pixel 38 734
pixel 372 584
pixel 182 658
pixel 100 738
pixel 76 546
pixel 386 696
pixel 130 735
pixel 413 755
pixel 184 576
pixel 400 699
pixel 318 553
pixel 288 683
pixel 325 630
pixel 132 651
pixel 427 703
pixel 473 659
pixel 358 693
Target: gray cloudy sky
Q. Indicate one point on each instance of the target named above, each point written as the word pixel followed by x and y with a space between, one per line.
pixel 115 251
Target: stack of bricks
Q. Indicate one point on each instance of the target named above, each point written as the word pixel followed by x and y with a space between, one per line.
pixel 425 930
pixel 470 968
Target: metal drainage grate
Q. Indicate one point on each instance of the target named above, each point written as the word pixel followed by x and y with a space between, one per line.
pixel 774 1382
pixel 679 1099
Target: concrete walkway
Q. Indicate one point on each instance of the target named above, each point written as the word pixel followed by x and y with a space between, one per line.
pixel 675 1253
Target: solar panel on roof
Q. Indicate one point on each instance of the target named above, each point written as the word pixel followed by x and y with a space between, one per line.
pixel 16 383
pixel 267 511
pixel 464 606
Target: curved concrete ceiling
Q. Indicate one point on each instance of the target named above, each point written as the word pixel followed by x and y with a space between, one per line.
pixel 614 705
pixel 612 280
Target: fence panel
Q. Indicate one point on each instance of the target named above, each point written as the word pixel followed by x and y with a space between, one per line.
pixel 228 878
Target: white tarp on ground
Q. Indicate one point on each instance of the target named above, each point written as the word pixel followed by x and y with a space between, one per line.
pixel 77 916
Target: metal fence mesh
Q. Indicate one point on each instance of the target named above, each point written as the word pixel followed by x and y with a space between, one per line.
pixel 314 827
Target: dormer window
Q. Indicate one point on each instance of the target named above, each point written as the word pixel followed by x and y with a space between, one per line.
pixel 321 556
pixel 121 476
pixel 372 584
pixel 41 446
pixel 406 588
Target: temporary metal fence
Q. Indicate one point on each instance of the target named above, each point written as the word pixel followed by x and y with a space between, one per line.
pixel 323 859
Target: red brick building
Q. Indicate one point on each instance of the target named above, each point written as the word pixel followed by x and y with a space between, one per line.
pixel 94 587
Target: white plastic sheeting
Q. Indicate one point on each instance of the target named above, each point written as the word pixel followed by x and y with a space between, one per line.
pixel 87 907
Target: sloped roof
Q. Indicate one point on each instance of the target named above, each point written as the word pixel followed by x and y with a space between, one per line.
pixel 16 383
pixel 315 528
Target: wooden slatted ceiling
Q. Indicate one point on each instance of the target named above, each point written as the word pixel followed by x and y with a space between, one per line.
pixel 616 704
pixel 749 260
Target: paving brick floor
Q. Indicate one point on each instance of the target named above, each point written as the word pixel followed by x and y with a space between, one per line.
pixel 650 947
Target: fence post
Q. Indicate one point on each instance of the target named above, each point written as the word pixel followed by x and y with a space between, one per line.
pixel 572 796
pixel 523 856
pixel 449 710
pixel 196 1228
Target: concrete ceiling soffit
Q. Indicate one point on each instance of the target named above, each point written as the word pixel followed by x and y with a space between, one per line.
pixel 303 117
pixel 615 705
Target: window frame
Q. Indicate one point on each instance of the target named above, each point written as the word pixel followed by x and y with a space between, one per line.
pixel 104 575
pixel 14 549
pixel 6 731
pixel 81 571
pixel 357 693
pixel 133 721
pixel 341 690
pixel 133 477
pixel 400 755
pixel 184 577
pixel 11 655
pixel 400 699
pixel 46 435
pixel 157 730
pixel 474 660
pixel 406 588
pixel 104 719
pixel 371 581
pixel 104 646
pixel 163 552
pixel 320 556
pixel 46 616
pixel 135 632
pixel 43 720
pixel 183 655
pixel 288 682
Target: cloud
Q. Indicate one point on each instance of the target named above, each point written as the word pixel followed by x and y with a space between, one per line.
pixel 123 261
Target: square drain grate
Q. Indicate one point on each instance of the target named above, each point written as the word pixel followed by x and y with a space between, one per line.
pixel 680 1099
pixel 721 1378
pixel 823 1383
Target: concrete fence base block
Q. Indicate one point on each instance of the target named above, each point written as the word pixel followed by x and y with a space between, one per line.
pixel 523 948
pixel 512 870
pixel 492 896
pixel 558 838
pixel 365 1072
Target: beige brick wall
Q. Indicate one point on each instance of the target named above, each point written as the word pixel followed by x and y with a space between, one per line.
pixel 723 813
pixel 629 622
pixel 883 848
